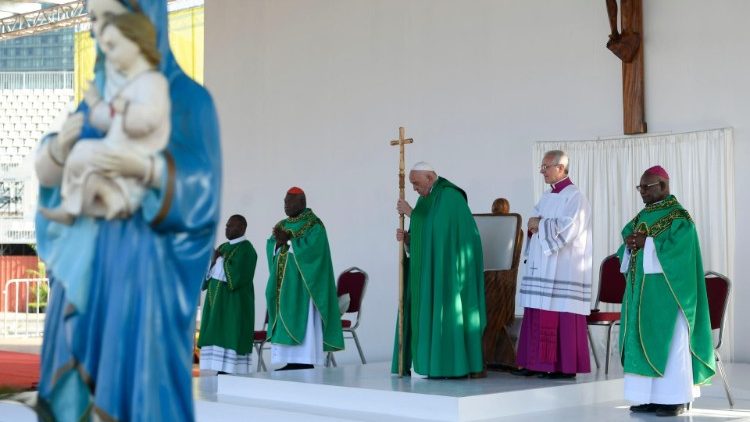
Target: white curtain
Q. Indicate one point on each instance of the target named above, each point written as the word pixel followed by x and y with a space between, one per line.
pixel 701 175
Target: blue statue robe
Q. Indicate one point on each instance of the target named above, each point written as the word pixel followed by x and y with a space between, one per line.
pixel 127 355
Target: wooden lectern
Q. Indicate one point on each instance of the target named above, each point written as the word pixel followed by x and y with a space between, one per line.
pixel 502 240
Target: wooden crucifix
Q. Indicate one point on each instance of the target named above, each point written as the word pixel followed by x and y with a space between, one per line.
pixel 401 141
pixel 628 46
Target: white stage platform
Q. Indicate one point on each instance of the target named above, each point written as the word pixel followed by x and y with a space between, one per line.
pixel 370 390
pixel 370 393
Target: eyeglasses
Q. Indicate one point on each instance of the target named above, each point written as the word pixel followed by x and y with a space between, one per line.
pixel 643 188
pixel 544 167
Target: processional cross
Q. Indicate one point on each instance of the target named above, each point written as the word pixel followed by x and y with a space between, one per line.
pixel 627 45
pixel 401 141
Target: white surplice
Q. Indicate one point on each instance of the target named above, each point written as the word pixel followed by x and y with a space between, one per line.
pixel 558 257
pixel 676 386
pixel 310 351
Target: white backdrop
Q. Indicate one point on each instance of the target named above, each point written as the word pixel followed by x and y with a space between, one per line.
pixel 309 93
pixel 701 172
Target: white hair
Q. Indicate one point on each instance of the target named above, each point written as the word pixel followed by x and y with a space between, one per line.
pixel 423 166
pixel 560 158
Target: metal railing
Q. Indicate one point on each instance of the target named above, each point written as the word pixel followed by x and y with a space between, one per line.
pixel 16 323
pixel 36 80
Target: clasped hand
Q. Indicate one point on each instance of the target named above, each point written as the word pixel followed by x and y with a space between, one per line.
pixel 282 236
pixel 635 241
pixel 533 225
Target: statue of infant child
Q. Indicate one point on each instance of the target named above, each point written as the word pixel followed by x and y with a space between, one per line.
pixel 136 119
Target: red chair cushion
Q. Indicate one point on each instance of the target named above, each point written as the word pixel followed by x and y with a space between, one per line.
pixel 259 336
pixel 603 317
pixel 345 323
pixel 352 282
pixel 611 281
pixel 717 291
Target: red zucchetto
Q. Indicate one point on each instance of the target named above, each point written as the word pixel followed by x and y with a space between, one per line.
pixel 658 171
pixel 294 190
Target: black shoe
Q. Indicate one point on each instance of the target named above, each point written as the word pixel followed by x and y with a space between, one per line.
pixel 523 372
pixel 293 366
pixel 561 376
pixel 670 410
pixel 556 376
pixel 304 366
pixel 645 408
pixel 223 373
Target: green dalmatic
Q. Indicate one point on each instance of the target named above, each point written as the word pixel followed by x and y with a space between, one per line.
pixel 300 272
pixel 653 302
pixel 228 318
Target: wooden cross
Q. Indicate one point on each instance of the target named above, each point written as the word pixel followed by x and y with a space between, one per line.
pixel 401 141
pixel 628 47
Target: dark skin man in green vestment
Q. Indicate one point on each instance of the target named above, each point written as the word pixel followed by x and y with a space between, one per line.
pixel 658 299
pixel 444 308
pixel 228 318
pixel 301 274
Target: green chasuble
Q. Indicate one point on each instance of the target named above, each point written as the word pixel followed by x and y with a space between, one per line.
pixel 652 301
pixel 444 308
pixel 228 318
pixel 298 273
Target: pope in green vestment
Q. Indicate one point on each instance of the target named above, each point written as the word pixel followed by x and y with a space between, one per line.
pixel 300 267
pixel 228 318
pixel 444 307
pixel 652 301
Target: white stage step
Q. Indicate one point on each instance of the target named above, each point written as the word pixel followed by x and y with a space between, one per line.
pixel 370 393
pixel 370 390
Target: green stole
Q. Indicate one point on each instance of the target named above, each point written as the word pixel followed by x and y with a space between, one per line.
pixel 652 301
pixel 228 318
pixel 305 272
pixel 444 307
